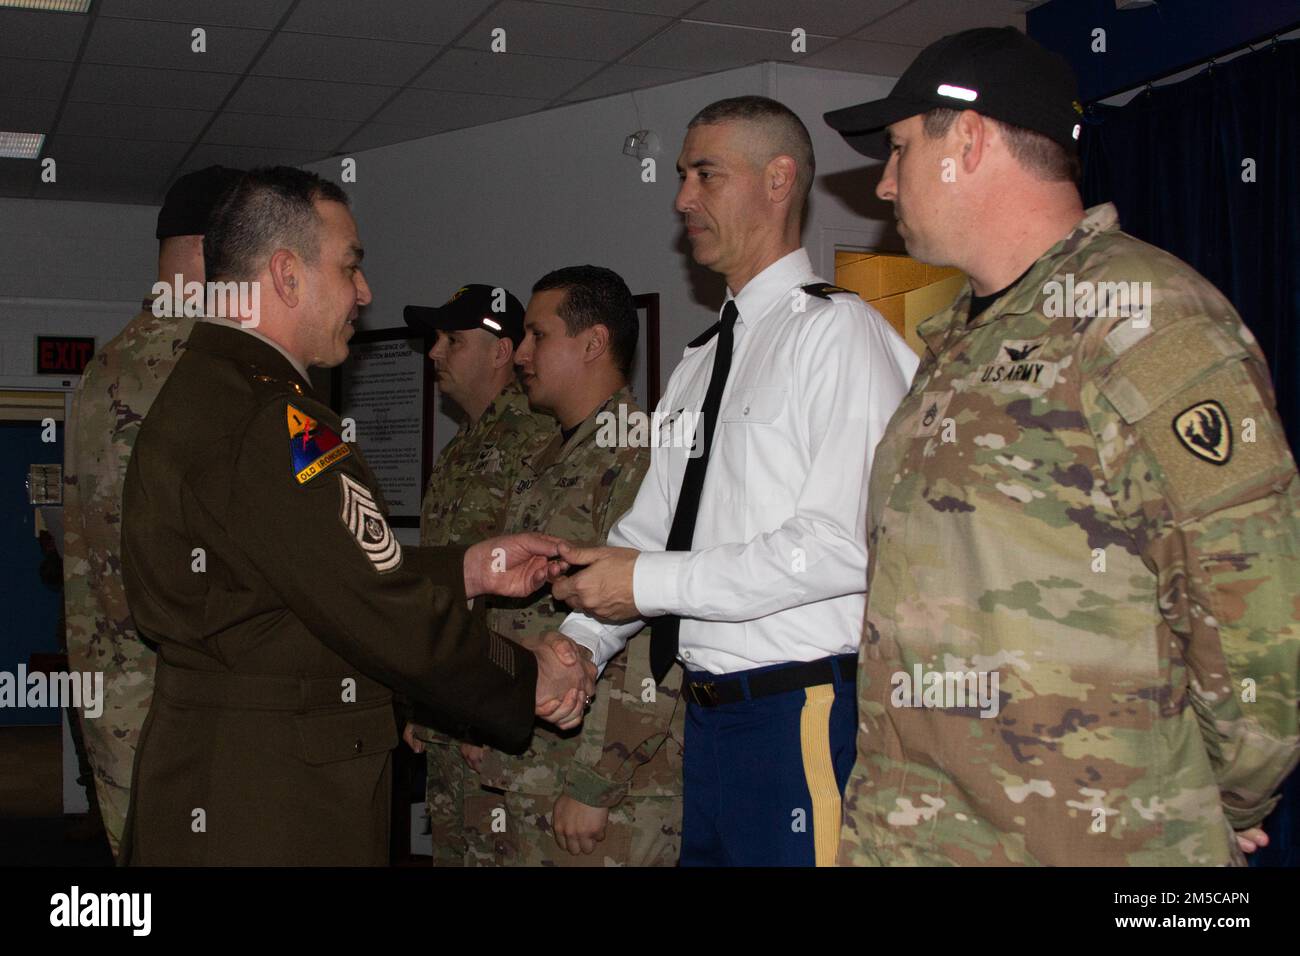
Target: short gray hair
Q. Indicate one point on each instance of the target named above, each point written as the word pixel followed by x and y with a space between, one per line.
pixel 785 132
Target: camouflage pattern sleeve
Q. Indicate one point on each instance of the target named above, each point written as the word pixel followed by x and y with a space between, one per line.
pixel 624 729
pixel 1197 463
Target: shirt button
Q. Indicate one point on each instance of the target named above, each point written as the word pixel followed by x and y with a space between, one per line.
pixel 746 411
pixel 686 654
pixel 358 745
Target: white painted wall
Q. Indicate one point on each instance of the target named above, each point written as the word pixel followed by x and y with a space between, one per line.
pixel 70 268
pixel 502 203
pixel 507 202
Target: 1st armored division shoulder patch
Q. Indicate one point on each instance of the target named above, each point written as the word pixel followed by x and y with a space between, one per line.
pixel 313 447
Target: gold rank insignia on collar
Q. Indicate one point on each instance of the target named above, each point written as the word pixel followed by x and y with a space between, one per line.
pixel 271 379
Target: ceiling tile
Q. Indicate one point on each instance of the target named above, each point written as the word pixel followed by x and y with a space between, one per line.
pixel 38 79
pixel 40 35
pixel 421 21
pixel 864 56
pixel 381 62
pixel 281 96
pixel 27 116
pixel 253 14
pixel 247 157
pixel 687 45
pixel 620 77
pixel 507 74
pixel 17 176
pixel 438 110
pixel 169 45
pixel 922 22
pixel 664 8
pixel 374 135
pixel 835 18
pixel 88 150
pixel 278 132
pixel 78 180
pixel 550 30
pixel 132 122
pixel 138 86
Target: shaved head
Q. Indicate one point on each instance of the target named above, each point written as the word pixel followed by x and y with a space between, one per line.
pixel 771 130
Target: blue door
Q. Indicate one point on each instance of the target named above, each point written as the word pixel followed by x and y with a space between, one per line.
pixel 29 609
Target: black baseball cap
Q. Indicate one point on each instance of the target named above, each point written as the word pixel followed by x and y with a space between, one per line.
pixel 474 306
pixel 996 71
pixel 189 203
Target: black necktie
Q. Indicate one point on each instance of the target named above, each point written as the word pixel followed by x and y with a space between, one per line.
pixel 663 636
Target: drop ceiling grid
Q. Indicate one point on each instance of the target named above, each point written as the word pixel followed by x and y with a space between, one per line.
pixel 129 106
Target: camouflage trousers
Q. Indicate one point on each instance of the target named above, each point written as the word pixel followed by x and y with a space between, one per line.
pixel 444 792
pixel 514 829
pixel 112 737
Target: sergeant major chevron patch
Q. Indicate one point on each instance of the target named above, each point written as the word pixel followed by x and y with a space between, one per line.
pixel 362 517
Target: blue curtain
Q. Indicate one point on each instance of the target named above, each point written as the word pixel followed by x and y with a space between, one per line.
pixel 1206 168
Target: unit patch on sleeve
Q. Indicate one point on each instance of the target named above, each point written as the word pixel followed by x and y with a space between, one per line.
pixel 313 447
pixel 1205 431
pixel 365 522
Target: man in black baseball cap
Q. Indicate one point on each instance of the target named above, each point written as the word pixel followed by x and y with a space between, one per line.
pixel 1059 463
pixel 471 340
pixel 998 72
pixel 116 391
pixel 190 201
pixel 474 306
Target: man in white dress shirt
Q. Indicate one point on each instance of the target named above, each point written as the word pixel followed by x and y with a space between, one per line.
pixel 749 551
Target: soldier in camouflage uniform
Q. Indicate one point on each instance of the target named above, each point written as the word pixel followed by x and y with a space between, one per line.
pixel 1082 638
pixel 474 336
pixel 610 794
pixel 110 403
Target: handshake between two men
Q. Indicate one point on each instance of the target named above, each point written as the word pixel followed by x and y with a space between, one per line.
pixel 517 565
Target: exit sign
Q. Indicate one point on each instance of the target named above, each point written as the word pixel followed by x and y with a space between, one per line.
pixel 63 354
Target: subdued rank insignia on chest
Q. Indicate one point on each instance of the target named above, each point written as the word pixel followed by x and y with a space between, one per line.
pixel 1205 431
pixel 933 405
pixel 823 290
pixel 363 519
pixel 313 447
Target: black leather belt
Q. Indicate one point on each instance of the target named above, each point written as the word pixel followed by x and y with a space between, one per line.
pixel 729 688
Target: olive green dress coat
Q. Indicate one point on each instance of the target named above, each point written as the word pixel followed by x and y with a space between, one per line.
pixel 258 558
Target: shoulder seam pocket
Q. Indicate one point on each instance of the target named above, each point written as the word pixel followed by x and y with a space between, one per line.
pixel 1172 359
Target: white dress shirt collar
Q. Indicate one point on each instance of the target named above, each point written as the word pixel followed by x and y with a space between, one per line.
pixel 756 298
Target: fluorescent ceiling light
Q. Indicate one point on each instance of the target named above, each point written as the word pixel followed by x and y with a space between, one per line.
pixel 20 145
pixel 56 6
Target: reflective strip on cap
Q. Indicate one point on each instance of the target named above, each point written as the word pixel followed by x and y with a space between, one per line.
pixel 490 324
pixel 957 92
